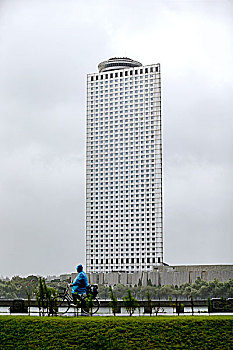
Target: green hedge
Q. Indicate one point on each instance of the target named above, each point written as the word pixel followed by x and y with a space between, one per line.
pixel 198 332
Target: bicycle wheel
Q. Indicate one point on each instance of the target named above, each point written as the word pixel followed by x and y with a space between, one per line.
pixel 92 308
pixel 62 305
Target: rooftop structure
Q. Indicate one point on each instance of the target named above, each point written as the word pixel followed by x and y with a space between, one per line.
pixel 117 63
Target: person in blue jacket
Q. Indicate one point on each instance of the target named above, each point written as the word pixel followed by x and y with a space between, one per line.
pixel 80 283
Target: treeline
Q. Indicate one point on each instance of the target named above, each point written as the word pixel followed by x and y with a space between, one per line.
pixel 22 287
pixel 199 290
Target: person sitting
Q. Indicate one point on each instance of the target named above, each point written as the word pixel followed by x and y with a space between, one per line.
pixel 80 284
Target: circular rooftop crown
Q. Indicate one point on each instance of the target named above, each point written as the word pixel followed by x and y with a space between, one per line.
pixel 117 63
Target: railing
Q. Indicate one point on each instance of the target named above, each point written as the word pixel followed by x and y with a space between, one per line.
pixel 105 303
pixel 215 305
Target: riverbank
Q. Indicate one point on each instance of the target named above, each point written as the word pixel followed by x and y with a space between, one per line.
pixel 20 332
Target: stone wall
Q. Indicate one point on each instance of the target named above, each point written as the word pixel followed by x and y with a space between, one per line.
pixel 164 275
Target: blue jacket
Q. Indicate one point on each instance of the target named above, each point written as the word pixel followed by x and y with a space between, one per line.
pixel 80 283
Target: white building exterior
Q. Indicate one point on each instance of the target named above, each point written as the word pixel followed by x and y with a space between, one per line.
pixel 124 218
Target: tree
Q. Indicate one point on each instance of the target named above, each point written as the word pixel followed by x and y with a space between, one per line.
pixel 120 290
pixel 29 290
pixel 157 308
pixel 149 302
pixel 149 283
pixel 113 303
pixel 179 307
pixel 130 303
pixel 46 298
pixel 192 304
pixel 103 291
pixel 173 305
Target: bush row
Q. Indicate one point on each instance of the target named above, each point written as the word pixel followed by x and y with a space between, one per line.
pixel 116 333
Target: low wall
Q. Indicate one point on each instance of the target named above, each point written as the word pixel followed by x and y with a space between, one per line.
pixel 165 275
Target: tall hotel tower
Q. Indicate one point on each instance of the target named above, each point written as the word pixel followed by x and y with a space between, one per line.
pixel 124 218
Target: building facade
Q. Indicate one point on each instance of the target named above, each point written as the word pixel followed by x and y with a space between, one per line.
pixel 165 275
pixel 124 217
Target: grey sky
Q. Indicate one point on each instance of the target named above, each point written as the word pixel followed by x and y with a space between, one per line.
pixel 46 49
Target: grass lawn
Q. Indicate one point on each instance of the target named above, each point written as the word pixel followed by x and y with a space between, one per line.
pixel 188 332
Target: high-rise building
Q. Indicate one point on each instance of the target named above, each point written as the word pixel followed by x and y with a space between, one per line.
pixel 124 217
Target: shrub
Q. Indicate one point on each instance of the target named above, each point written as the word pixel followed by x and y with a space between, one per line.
pixel 149 302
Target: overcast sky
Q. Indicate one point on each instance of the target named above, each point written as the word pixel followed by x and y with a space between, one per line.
pixel 46 49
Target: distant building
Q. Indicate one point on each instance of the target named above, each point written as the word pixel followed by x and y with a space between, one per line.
pixel 166 275
pixel 52 278
pixel 65 277
pixel 124 218
pixel 161 275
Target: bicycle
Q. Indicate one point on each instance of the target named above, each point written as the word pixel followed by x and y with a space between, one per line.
pixel 88 303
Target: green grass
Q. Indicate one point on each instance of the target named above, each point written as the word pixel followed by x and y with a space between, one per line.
pixel 197 332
